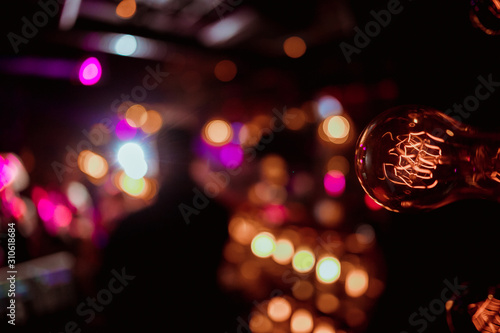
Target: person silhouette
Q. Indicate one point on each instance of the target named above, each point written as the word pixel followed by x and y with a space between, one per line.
pixel 169 266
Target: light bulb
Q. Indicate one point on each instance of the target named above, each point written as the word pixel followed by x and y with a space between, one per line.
pixel 485 15
pixel 417 158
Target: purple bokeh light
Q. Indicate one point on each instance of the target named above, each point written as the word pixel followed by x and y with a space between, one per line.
pixel 231 156
pixel 124 131
pixel 334 183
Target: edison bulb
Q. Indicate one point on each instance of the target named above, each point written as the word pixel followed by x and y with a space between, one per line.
pixel 417 158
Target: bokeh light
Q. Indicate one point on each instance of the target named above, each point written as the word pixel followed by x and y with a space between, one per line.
pixel 301 321
pixel 324 328
pixel 329 213
pixel 131 186
pixel 371 204
pixel 217 132
pixel 327 303
pixel 284 251
pixel 124 131
pixel 92 164
pixel 356 283
pixel 263 245
pixel 62 216
pixel 279 309
pixel 294 47
pixel 328 270
pixel 296 119
pixel 131 157
pixel 90 71
pixel 242 230
pixel 45 209
pixel 136 115
pixel 225 70
pixel 259 323
pixel 334 182
pixel 231 156
pixel 124 45
pixel 329 106
pixel 77 194
pixel 339 163
pixel 303 261
pixel 303 290
pixel 152 123
pixel 126 8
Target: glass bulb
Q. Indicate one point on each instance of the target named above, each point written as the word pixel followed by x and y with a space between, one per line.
pixel 417 158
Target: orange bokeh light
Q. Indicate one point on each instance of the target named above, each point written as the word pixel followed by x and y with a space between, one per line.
pixel 279 309
pixel 225 70
pixel 294 47
pixel 301 321
pixel 217 132
pixel 126 9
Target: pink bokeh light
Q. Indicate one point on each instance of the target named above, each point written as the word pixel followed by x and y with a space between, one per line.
pixel 90 71
pixel 45 209
pixel 334 183
pixel 124 131
pixel 371 204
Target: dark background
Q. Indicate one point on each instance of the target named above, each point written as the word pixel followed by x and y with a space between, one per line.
pixel 430 50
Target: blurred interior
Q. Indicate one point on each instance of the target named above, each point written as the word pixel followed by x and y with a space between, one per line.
pixel 273 111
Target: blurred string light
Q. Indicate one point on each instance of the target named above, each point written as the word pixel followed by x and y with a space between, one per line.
pixel 142 188
pixel 126 9
pixel 242 230
pixel 227 30
pixel 78 195
pixel 294 47
pixel 301 321
pixel 263 245
pixel 136 115
pixel 279 309
pixel 324 328
pixel 217 132
pixel 284 251
pixel 225 70
pixel 303 261
pixel 339 163
pixel 334 129
pixel 124 45
pixel 328 270
pixel 92 164
pixel 296 119
pixel 131 158
pixel 69 14
pixel 356 283
pixel 90 71
pixel 153 122
pixel 231 155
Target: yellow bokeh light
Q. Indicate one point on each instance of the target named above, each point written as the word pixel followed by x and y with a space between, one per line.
pixel 263 245
pixel 303 261
pixel 92 164
pixel 337 127
pixel 301 321
pixel 217 132
pixel 284 251
pixel 152 122
pixel 328 270
pixel 356 283
pixel 294 47
pixel 126 9
pixel 279 309
pixel 133 187
pixel 136 115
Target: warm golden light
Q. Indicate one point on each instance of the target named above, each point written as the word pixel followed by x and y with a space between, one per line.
pixel 294 47
pixel 296 119
pixel 303 261
pixel 279 309
pixel 301 321
pixel 126 9
pixel 225 70
pixel 302 290
pixel 284 252
pixel 133 187
pixel 263 245
pixel 92 164
pixel 327 303
pixel 356 283
pixel 217 132
pixel 242 230
pixel 328 270
pixel 260 323
pixel 334 129
pixel 339 163
pixel 136 115
pixel 324 328
pixel 152 123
